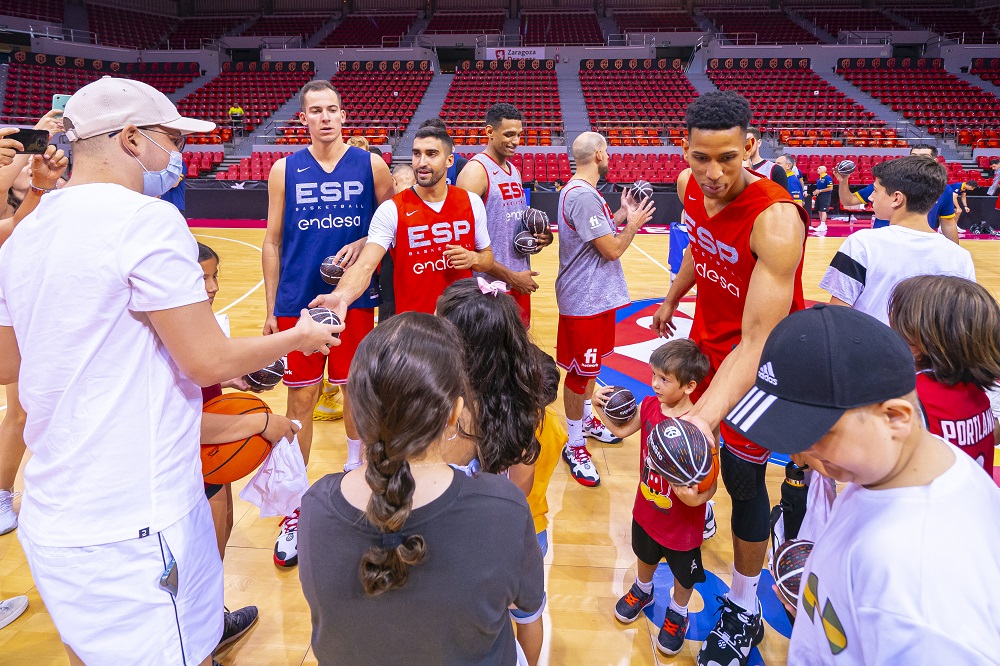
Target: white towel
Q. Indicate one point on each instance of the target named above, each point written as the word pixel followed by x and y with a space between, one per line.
pixel 278 486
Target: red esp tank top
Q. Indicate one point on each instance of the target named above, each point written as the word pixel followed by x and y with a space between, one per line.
pixel 723 265
pixel 960 415
pixel 421 271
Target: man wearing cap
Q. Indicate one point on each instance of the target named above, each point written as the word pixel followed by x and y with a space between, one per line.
pixel 905 571
pixel 104 315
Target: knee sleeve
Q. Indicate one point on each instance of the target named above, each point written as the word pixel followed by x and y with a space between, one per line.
pixel 577 383
pixel 746 486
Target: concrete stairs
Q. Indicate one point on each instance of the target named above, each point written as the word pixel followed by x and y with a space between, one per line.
pixel 699 79
pixel 327 28
pixel 979 83
pixel 806 24
pixel 181 93
pixel 512 31
pixel 75 17
pixel 417 27
pixel 430 107
pixel 608 27
pixel 574 108
pixel 881 111
pixel 238 30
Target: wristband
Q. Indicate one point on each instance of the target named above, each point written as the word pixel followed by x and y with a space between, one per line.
pixel 39 190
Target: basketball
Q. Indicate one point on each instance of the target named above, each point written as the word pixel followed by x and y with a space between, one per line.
pixel 621 406
pixel 325 316
pixel 266 378
pixel 789 561
pixel 679 452
pixel 845 167
pixel 536 221
pixel 225 463
pixel 525 243
pixel 642 189
pixel 331 271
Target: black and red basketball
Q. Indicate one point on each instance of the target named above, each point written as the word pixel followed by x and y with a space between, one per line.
pixel 225 463
pixel 331 271
pixel 845 167
pixel 789 561
pixel 536 221
pixel 266 378
pixel 679 452
pixel 525 243
pixel 620 407
pixel 325 316
pixel 641 190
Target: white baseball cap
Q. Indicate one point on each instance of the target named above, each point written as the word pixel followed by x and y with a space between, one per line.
pixel 109 104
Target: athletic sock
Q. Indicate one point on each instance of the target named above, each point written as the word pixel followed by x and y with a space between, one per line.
pixel 645 587
pixel 353 451
pixel 677 608
pixel 744 591
pixel 575 431
pixel 588 411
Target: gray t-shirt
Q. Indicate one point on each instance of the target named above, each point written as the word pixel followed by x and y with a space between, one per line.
pixel 482 556
pixel 587 284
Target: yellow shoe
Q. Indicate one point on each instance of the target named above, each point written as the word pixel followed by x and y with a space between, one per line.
pixel 331 404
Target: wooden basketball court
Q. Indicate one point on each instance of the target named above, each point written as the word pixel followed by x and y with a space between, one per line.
pixel 589 564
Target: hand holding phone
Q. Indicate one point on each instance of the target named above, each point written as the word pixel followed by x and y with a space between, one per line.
pixel 59 102
pixel 9 147
pixel 33 141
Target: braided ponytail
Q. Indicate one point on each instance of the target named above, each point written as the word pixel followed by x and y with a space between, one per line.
pixel 403 397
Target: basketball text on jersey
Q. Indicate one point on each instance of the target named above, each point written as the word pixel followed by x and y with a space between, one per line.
pixel 327 193
pixel 441 234
pixel 968 431
pixel 719 251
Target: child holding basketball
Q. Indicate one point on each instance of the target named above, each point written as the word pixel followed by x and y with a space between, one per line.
pixel 953 328
pixel 662 526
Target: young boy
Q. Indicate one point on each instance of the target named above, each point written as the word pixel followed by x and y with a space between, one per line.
pixel 871 262
pixel 903 572
pixel 662 526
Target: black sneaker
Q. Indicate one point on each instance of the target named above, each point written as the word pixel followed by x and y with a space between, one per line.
pixel 671 637
pixel 235 625
pixel 732 638
pixel 628 607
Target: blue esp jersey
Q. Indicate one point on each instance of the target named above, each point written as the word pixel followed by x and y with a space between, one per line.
pixel 944 207
pixel 323 213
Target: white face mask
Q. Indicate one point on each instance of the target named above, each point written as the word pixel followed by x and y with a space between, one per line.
pixel 158 183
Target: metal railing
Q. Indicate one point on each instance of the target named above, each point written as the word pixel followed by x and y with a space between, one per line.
pixel 739 38
pixel 65 34
pixel 851 37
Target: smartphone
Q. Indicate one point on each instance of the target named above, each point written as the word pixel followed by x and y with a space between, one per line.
pixel 59 102
pixel 168 579
pixel 34 141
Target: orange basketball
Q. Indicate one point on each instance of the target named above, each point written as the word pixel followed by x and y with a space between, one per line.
pixel 225 463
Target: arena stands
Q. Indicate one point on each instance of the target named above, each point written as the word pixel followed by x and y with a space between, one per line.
pixel 972 26
pixel 115 26
pixel 260 94
pixel 191 32
pixel 652 21
pixel 802 108
pixel 634 107
pixel 759 27
pixel 540 167
pixel 201 162
pixel 809 166
pixel 464 23
pixel 933 99
pixel 658 169
pixel 534 92
pixel 578 28
pixel 287 25
pixel 368 29
pixel 45 10
pixel 835 21
pixel 989 70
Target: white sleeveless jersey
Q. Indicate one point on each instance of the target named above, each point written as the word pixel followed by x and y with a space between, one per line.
pixel 505 206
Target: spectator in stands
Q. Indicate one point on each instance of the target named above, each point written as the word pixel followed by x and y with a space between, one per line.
pixel 762 166
pixel 794 185
pixel 559 184
pixel 822 196
pixel 358 142
pixel 460 162
pixel 237 115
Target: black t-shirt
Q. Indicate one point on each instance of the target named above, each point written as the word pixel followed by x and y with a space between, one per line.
pixel 482 556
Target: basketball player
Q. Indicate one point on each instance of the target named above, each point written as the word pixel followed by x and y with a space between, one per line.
pixel 764 167
pixel 458 166
pixel 491 175
pixel 745 256
pixel 961 190
pixel 115 524
pixel 320 203
pixel 435 232
pixel 590 287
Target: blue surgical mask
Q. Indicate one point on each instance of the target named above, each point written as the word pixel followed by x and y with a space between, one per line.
pixel 158 183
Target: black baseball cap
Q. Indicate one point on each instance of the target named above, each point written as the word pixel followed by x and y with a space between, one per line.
pixel 817 364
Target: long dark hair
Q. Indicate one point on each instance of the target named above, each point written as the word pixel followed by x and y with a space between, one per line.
pixel 504 372
pixel 404 381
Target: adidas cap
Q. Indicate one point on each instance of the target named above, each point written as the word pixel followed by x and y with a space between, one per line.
pixel 109 104
pixel 817 364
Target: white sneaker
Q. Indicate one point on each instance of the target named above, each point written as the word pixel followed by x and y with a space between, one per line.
pixel 286 547
pixel 594 429
pixel 11 609
pixel 581 466
pixel 8 519
pixel 821 229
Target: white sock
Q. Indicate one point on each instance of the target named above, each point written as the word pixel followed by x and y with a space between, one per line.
pixel 354 447
pixel 575 431
pixel 744 591
pixel 588 410
pixel 677 608
pixel 646 587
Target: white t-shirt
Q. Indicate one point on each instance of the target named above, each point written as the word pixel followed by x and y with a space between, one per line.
pixel 382 230
pixel 905 576
pixel 113 424
pixel 871 262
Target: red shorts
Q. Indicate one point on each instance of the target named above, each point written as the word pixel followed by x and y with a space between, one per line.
pixel 582 342
pixel 302 370
pixel 524 302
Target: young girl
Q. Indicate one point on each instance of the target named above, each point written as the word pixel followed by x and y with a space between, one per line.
pixel 953 328
pixel 405 547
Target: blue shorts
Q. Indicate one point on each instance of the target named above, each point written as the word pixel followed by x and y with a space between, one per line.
pixel 678 243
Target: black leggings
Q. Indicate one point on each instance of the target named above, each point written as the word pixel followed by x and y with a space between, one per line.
pixel 744 481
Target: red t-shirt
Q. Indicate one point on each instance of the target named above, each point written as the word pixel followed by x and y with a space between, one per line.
pixel 723 265
pixel 960 415
pixel 669 521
